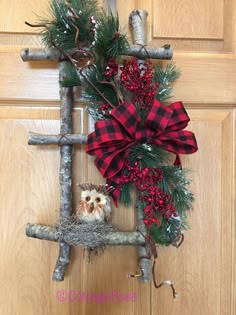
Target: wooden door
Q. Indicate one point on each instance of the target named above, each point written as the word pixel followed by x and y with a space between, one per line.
pixel 203 269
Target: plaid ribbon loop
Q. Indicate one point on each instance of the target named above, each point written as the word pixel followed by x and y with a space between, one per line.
pixel 112 139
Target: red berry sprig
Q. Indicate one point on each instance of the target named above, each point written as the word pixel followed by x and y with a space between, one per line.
pixel 139 80
pixel 141 178
pixel 105 109
pixel 157 202
pixel 111 69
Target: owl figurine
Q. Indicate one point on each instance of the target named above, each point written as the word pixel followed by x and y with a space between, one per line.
pixel 95 203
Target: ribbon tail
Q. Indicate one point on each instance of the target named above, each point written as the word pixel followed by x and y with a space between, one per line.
pixel 177 161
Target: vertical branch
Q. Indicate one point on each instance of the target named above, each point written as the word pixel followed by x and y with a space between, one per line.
pixel 145 262
pixel 138 24
pixel 66 96
pixel 137 20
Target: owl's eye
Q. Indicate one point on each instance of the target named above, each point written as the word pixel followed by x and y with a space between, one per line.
pixel 87 198
pixel 98 199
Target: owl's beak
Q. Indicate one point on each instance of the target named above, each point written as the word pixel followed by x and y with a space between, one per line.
pixel 91 208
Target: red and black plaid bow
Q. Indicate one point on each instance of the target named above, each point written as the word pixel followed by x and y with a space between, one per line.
pixel 112 139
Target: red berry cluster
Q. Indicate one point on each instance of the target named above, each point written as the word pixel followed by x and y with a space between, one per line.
pixel 141 178
pixel 104 109
pixel 138 78
pixel 156 201
pixel 111 69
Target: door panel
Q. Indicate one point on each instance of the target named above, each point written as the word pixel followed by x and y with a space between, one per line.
pixel 188 25
pixel 12 11
pixel 201 268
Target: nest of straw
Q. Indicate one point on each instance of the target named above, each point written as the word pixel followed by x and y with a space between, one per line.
pixel 89 234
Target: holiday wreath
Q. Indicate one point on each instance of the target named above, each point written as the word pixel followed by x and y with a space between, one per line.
pixel 138 137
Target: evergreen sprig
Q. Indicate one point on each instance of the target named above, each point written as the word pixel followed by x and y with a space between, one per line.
pixel 95 99
pixel 125 196
pixel 148 155
pixel 109 42
pixel 165 76
pixel 176 183
pixel 70 77
pixel 169 230
pixel 60 29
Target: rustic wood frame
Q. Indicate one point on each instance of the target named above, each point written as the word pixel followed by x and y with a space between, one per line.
pixel 67 138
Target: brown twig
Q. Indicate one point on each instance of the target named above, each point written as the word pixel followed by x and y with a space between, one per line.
pixel 152 251
pixel 73 16
pixel 37 25
pixel 94 87
pixel 178 241
pixel 166 282
pixel 112 83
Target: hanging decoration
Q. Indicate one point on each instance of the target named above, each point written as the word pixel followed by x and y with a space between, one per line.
pixel 138 134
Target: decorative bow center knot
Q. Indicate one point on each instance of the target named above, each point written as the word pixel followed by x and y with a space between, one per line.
pixel 143 135
pixel 112 139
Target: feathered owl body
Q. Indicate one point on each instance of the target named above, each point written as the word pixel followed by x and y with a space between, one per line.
pixel 94 204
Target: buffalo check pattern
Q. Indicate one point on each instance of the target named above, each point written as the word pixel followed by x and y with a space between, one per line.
pixel 112 139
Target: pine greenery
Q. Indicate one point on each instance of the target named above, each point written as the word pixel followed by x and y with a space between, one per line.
pixel 176 183
pixel 165 76
pixel 60 29
pixel 168 231
pixel 149 155
pixel 95 98
pixel 70 77
pixel 109 42
pixel 125 196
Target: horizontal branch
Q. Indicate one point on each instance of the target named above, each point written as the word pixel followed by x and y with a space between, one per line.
pixel 38 139
pixel 50 233
pixel 39 54
pixel 165 52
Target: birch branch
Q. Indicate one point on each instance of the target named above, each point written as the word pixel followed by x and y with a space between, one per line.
pixel 138 24
pixel 66 96
pixel 137 21
pixel 38 139
pixel 165 52
pixel 145 262
pixel 40 54
pixel 50 233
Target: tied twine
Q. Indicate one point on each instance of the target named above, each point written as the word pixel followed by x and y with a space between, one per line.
pixel 64 136
pixel 152 251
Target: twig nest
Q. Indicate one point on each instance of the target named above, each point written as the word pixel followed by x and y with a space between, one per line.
pixel 89 234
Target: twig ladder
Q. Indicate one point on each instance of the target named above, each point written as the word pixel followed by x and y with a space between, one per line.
pixel 67 138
